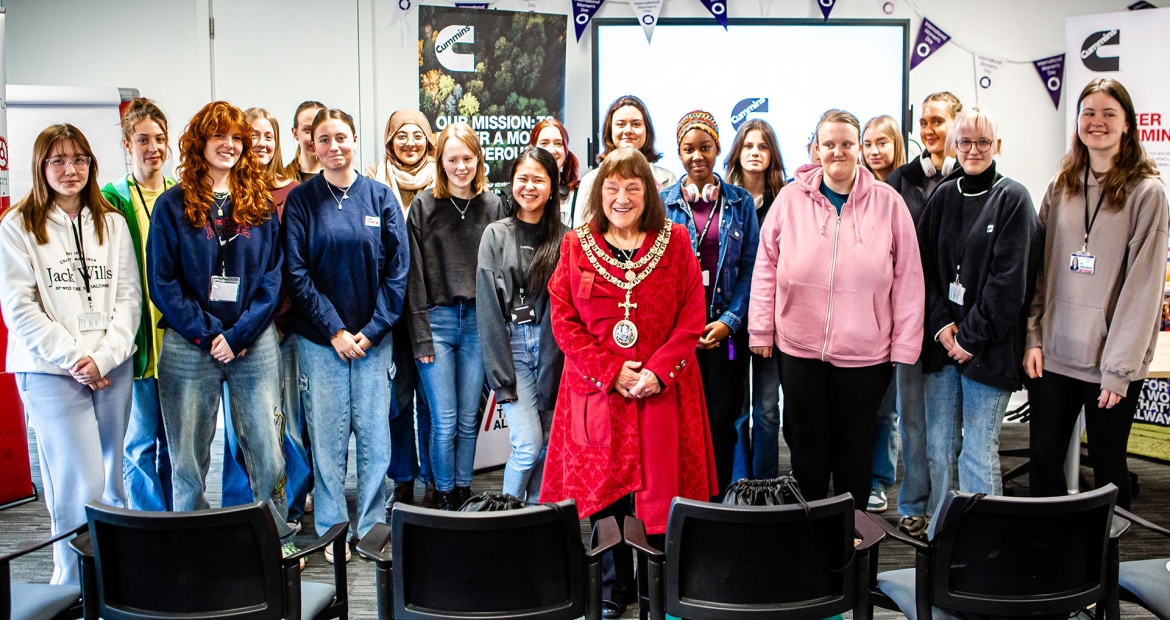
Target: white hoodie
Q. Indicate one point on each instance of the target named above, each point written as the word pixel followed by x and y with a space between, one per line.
pixel 42 294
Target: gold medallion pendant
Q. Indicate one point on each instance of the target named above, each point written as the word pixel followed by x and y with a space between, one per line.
pixel 625 333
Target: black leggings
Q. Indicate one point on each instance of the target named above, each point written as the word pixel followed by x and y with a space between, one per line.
pixel 723 386
pixel 1055 401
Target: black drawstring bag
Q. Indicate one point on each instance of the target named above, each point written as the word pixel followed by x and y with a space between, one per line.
pixel 492 502
pixel 769 492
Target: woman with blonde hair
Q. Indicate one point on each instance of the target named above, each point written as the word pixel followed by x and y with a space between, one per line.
pixel 70 291
pixel 882 148
pixel 445 225
pixel 304 164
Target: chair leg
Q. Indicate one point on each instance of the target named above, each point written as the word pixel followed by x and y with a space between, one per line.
pixel 654 584
pixel 643 590
pixel 384 583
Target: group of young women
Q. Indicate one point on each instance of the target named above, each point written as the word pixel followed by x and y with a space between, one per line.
pixel 317 302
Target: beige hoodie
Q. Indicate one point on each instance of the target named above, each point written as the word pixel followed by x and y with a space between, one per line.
pixel 1101 328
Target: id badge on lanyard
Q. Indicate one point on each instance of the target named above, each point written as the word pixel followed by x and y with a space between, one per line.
pixel 92 321
pixel 225 288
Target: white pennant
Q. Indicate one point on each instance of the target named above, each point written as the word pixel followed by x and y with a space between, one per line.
pixel 532 6
pixel 765 7
pixel 399 9
pixel 986 73
pixel 886 7
pixel 647 14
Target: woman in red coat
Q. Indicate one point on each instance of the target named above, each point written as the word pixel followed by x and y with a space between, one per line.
pixel 627 310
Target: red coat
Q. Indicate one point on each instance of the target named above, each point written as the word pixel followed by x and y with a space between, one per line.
pixel 604 446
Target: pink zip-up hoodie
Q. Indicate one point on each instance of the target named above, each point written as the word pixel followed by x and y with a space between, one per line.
pixel 847 290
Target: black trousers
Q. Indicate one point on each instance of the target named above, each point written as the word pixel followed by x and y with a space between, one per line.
pixel 828 424
pixel 617 566
pixel 1055 401
pixel 723 370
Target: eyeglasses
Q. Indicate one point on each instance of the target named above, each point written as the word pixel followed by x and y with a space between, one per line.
pixel 79 163
pixel 983 144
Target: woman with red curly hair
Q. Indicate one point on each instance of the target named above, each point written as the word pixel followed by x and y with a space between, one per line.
pixel 214 272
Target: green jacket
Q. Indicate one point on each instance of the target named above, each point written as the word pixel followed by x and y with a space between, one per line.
pixel 119 195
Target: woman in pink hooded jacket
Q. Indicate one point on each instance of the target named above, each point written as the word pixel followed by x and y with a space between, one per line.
pixel 838 290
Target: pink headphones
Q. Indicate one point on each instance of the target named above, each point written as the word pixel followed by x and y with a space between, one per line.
pixel 690 192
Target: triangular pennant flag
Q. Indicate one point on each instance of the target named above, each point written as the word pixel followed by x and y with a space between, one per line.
pixel 647 12
pixel 532 6
pixel 583 11
pixel 986 73
pixel 399 9
pixel 930 38
pixel 765 7
pixel 886 6
pixel 1051 72
pixel 826 7
pixel 718 8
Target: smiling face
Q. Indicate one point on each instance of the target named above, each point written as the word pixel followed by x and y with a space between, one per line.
pixel 459 164
pixel 698 150
pixel 303 132
pixel 1101 123
pixel 223 149
pixel 334 142
pixel 622 202
pixel 147 146
pixel 878 150
pixel 531 188
pixel 66 169
pixel 755 155
pixel 981 149
pixel 838 148
pixel 934 125
pixel 550 139
pixel 409 144
pixel 263 140
pixel 628 128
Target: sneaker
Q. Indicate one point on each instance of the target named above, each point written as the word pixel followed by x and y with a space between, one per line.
pixel 308 503
pixel 877 501
pixel 295 524
pixel 329 553
pixel 914 526
pixel 290 548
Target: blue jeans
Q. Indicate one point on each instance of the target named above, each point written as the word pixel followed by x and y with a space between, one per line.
pixel 524 427
pixel 916 498
pixel 408 460
pixel 236 490
pixel 953 400
pixel 344 397
pixel 757 453
pixel 190 383
pixel 885 440
pixel 454 385
pixel 146 470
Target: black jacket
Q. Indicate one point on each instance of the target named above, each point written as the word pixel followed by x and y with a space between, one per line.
pixel 999 255
pixel 911 181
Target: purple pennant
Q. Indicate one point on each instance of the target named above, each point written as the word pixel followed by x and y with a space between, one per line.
pixel 718 8
pixel 1051 72
pixel 583 11
pixel 930 38
pixel 826 7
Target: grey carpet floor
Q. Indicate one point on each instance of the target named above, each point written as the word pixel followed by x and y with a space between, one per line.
pixel 22 524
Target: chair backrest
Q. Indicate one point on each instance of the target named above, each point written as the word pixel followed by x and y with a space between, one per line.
pixel 755 561
pixel 206 564
pixel 526 563
pixel 1021 556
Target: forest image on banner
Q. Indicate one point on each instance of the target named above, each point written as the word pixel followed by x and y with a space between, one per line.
pixel 499 71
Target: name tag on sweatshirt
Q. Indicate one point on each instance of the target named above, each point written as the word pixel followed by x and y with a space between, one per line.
pixel 92 321
pixel 225 289
pixel 1081 262
pixel 373 220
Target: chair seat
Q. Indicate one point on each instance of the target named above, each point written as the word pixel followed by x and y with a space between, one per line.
pixel 1148 580
pixel 41 601
pixel 315 597
pixel 899 586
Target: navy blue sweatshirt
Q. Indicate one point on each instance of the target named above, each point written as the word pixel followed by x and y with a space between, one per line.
pixel 345 267
pixel 182 259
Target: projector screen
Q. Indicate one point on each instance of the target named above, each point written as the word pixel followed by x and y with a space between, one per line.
pixel 785 71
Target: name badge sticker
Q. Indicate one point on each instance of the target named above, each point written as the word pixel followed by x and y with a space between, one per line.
pixel 706 278
pixel 225 289
pixel 1081 262
pixel 92 321
pixel 373 220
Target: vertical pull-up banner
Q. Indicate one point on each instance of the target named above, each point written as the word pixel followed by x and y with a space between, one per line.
pixel 930 38
pixel 647 12
pixel 583 12
pixel 718 8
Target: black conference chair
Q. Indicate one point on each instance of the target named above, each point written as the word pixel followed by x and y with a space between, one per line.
pixel 1146 582
pixel 222 563
pixel 727 562
pixel 1009 556
pixel 37 601
pixel 527 563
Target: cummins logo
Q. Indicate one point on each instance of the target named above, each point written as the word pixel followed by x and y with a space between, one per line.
pixel 445 44
pixel 1091 51
pixel 743 109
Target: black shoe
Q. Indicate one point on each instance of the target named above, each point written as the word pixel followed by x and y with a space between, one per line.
pixel 404 492
pixel 443 500
pixel 430 496
pixel 459 497
pixel 612 609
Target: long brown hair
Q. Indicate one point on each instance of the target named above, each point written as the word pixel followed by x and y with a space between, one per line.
pixel 36 205
pixel 1131 163
pixel 251 201
pixel 142 109
pixel 607 130
pixel 568 172
pixel 627 163
pixel 274 171
pixel 774 175
pixel 465 134
pixel 293 169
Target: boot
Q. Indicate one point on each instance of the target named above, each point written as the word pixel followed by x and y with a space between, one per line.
pixel 443 499
pixel 459 497
pixel 404 492
pixel 430 496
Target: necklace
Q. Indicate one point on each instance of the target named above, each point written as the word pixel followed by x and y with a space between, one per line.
pixel 221 199
pixel 625 333
pixel 463 211
pixel 623 258
pixel 344 192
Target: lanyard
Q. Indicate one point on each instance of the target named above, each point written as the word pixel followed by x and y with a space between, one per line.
pixel 79 245
pixel 218 225
pixel 141 198
pixel 522 277
pixel 974 223
pixel 1089 222
pixel 715 210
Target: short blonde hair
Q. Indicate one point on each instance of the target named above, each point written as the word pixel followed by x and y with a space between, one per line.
pixel 975 120
pixel 465 134
pixel 836 116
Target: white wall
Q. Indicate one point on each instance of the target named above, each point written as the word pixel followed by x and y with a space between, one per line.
pixel 276 53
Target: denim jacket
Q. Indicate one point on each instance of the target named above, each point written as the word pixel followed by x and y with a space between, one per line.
pixel 739 236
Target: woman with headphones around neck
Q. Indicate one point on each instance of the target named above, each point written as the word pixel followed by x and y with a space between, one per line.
pixel 724 230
